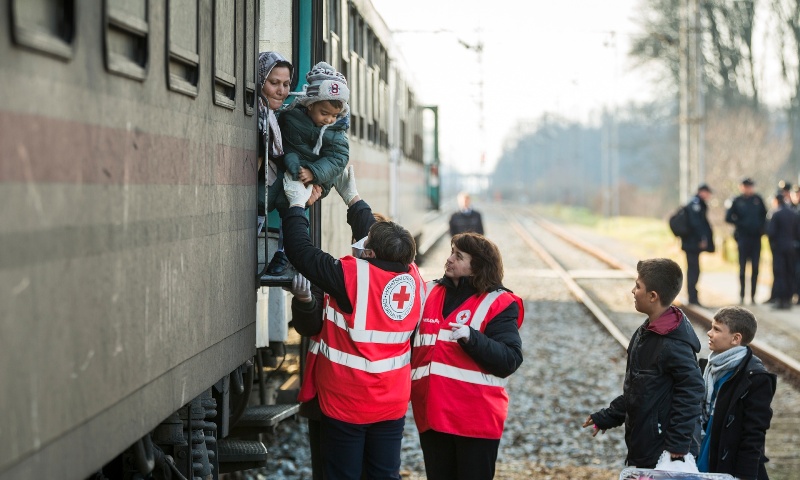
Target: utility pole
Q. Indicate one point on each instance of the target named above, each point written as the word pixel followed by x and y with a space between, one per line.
pixel 691 119
pixel 478 49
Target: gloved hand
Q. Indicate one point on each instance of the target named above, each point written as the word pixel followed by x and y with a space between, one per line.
pixel 460 331
pixel 345 184
pixel 297 193
pixel 301 288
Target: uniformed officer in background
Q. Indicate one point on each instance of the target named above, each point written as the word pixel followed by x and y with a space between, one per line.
pixel 748 214
pixel 783 230
pixel 700 239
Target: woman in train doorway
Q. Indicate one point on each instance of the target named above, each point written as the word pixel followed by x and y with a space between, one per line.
pixel 467 344
pixel 275 78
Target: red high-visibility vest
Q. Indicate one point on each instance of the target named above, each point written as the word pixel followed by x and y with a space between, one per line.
pixel 359 365
pixel 450 392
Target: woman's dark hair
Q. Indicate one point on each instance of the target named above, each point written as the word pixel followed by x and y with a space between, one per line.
pixel 391 242
pixel 486 263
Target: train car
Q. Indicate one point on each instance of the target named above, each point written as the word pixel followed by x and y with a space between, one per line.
pixel 129 269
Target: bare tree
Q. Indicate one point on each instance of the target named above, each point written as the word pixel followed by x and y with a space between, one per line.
pixel 742 142
pixel 788 14
pixel 727 34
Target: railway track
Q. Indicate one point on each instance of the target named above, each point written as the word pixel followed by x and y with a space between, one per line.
pixel 602 284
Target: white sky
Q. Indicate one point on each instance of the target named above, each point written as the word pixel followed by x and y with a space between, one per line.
pixel 539 56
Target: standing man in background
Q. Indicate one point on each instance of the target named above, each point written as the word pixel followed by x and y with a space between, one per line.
pixel 465 219
pixel 700 239
pixel 748 214
pixel 783 231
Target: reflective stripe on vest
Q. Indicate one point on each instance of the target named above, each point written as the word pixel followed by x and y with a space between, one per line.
pixel 476 323
pixel 449 371
pixel 360 318
pixel 362 335
pixel 361 363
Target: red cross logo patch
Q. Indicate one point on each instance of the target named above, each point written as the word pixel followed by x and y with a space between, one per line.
pixel 463 316
pixel 398 296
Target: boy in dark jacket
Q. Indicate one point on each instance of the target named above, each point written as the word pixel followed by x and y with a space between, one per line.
pixel 663 388
pixel 739 392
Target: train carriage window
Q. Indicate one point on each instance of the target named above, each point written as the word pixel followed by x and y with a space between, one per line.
pixel 225 53
pixel 362 97
pixel 370 104
pixel 352 82
pixel 250 57
pixel 126 38
pixel 344 32
pixel 183 58
pixel 47 26
pixel 331 36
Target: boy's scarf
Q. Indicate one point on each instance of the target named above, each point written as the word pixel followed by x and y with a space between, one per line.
pixel 718 365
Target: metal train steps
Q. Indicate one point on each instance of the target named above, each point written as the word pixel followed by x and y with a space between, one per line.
pixel 235 454
pixel 261 418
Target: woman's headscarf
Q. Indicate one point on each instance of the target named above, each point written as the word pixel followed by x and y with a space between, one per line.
pixel 266 117
pixel 266 62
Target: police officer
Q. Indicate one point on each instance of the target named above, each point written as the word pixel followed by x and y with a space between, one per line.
pixel 748 214
pixel 700 239
pixel 795 197
pixel 783 230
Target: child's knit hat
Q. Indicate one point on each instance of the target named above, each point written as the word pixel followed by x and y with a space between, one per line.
pixel 325 83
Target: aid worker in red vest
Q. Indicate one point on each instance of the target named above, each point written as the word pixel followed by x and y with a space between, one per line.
pixel 467 344
pixel 360 361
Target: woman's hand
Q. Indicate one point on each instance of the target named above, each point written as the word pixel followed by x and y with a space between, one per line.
pixel 460 332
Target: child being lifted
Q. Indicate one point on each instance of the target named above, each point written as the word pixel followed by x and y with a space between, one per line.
pixel 314 141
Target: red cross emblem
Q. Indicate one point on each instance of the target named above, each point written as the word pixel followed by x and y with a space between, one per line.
pixel 401 297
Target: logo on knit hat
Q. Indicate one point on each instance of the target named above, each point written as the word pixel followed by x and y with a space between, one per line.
pixel 398 297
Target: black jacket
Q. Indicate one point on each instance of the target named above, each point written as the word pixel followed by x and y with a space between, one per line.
pixel 498 350
pixel 662 395
pixel 466 221
pixel 319 267
pixel 783 229
pixel 748 215
pixel 741 418
pixel 699 227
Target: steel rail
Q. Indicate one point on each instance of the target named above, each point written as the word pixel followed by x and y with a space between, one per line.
pixel 578 292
